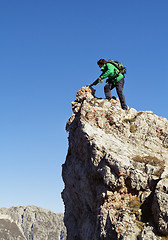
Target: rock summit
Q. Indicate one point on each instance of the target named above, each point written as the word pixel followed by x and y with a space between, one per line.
pixel 116 172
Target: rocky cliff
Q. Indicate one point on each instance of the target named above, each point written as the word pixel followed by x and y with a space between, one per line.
pixel 31 223
pixel 116 172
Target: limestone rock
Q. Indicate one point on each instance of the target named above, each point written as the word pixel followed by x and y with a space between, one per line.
pixel 160 206
pixel 24 223
pixel 115 171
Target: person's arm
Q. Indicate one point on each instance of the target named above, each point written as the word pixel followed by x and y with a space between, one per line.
pixel 96 82
pixel 110 72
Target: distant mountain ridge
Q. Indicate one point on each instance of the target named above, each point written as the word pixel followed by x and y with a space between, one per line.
pixel 31 223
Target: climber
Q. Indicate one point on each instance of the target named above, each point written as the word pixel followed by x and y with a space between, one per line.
pixel 115 80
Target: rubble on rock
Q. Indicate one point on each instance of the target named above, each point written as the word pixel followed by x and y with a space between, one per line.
pixel 116 171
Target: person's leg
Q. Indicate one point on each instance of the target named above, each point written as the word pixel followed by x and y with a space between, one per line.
pixel 107 90
pixel 119 87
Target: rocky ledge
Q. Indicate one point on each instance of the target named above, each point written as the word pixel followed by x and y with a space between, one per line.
pixel 116 172
pixel 31 223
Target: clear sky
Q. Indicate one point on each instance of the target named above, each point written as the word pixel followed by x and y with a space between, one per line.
pixel 48 50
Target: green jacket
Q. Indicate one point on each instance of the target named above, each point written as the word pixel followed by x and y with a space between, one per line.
pixel 110 71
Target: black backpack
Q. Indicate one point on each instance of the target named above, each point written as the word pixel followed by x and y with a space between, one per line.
pixel 118 65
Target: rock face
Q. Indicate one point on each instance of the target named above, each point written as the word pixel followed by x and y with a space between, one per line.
pixel 116 172
pixel 31 223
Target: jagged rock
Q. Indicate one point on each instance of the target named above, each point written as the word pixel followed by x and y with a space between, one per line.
pixel 148 234
pixel 25 223
pixel 160 206
pixel 115 164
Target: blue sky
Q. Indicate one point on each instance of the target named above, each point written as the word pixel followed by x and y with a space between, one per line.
pixel 48 50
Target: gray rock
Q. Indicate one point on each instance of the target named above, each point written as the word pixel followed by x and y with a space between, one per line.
pixel 9 229
pixel 160 206
pixel 115 164
pixel 147 233
pixel 31 223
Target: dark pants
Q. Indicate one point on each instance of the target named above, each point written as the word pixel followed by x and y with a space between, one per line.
pixel 119 88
